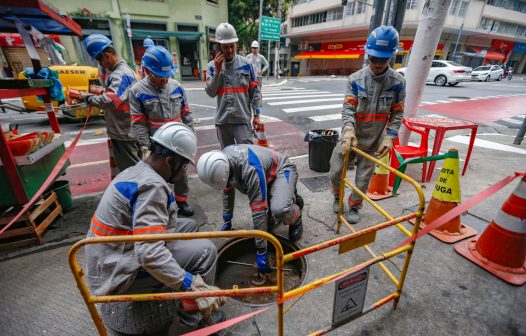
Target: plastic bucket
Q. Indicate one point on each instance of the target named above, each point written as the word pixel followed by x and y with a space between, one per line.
pixel 321 145
pixel 61 188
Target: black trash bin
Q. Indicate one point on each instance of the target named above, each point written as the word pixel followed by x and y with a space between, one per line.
pixel 321 145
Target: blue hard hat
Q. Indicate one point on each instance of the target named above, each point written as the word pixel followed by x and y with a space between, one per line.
pixel 383 42
pixel 148 42
pixel 158 61
pixel 96 43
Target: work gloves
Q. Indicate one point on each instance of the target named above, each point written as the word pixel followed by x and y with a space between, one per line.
pixel 263 262
pixel 207 305
pixel 385 146
pixel 227 223
pixel 348 139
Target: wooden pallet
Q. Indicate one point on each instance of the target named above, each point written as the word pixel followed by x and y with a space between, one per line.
pixel 29 228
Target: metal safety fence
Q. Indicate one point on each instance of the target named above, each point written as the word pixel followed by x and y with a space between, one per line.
pixel 346 243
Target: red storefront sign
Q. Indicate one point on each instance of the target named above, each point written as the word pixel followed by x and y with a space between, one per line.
pixel 14 40
pixel 404 45
pixel 502 45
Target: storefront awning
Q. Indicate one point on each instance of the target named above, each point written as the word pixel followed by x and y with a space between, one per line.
pixel 329 54
pixel 489 54
pixel 186 36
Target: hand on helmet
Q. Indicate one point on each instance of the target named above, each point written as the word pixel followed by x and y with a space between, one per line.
pixel 349 139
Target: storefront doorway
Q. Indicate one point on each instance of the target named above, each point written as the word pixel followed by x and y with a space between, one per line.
pixel 190 67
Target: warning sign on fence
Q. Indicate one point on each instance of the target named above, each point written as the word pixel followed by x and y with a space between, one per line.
pixel 349 296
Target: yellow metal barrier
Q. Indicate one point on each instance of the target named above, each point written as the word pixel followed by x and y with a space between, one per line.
pixel 78 273
pixel 347 242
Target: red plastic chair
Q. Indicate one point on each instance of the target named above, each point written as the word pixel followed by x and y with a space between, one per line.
pixel 408 152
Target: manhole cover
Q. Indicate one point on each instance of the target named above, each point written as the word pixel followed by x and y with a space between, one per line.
pixel 236 266
pixel 459 97
pixel 317 183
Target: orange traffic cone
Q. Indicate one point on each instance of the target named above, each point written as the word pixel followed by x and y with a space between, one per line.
pixel 262 136
pixel 501 248
pixel 379 185
pixel 113 165
pixel 446 197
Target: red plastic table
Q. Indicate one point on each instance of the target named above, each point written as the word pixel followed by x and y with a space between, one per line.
pixel 441 126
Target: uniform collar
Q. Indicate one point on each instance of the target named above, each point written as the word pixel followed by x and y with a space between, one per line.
pixel 116 65
pixel 379 77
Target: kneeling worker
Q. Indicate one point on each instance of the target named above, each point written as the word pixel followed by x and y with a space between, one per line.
pixel 139 201
pixel 156 100
pixel 269 180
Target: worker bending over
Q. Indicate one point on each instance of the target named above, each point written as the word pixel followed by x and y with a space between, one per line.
pixel 139 201
pixel 269 180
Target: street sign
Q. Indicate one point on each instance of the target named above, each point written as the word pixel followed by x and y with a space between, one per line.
pixel 349 296
pixel 270 28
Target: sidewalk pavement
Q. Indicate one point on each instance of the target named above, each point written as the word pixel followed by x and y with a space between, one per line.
pixel 444 294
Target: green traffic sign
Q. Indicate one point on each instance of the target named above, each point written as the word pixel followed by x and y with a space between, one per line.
pixel 270 28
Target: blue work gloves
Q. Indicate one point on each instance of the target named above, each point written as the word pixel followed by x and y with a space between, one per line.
pixel 227 223
pixel 263 262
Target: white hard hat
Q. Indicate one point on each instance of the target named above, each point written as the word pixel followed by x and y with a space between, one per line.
pixel 213 169
pixel 178 138
pixel 226 33
pixel 255 44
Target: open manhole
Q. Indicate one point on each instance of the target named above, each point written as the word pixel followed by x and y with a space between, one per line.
pixel 459 97
pixel 230 273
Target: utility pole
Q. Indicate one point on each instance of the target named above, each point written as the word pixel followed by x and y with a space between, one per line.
pixel 426 40
pixel 388 12
pixel 260 15
pixel 456 44
pixel 376 20
pixel 276 56
pixel 399 14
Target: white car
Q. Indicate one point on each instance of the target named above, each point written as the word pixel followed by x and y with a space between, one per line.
pixel 445 72
pixel 487 73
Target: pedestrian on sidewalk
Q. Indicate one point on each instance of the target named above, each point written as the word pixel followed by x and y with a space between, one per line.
pixel 156 100
pixel 114 99
pixel 520 133
pixel 259 63
pixel 231 78
pixel 372 114
pixel 269 180
pixel 140 201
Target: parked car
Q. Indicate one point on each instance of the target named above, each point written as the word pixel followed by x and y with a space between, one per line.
pixel 487 73
pixel 445 72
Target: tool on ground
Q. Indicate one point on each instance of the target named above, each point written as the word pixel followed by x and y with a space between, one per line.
pixel 247 264
pixel 500 248
pixel 379 186
pixel 446 196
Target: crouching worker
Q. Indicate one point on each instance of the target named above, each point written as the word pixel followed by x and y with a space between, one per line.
pixel 139 201
pixel 269 180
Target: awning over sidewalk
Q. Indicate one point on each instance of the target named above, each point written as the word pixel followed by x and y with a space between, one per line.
pixel 187 36
pixel 489 54
pixel 329 54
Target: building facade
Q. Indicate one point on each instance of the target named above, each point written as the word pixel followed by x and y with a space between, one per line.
pixel 325 37
pixel 185 28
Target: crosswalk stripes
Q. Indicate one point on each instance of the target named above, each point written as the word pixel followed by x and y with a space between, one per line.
pixel 305 101
pixel 318 94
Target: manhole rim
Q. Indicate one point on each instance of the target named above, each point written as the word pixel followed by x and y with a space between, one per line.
pixel 303 259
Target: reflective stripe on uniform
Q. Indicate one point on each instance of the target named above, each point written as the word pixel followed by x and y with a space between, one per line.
pixel 158 228
pixel 180 198
pixel 259 206
pixel 371 117
pixel 138 118
pixel 230 90
pixel 160 122
pixel 114 97
pixel 272 175
pixel 351 100
pixel 253 84
pixel 397 107
pixel 294 216
pixel 101 229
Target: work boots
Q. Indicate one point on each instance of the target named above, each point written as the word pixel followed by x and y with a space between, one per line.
pixel 296 230
pixel 353 217
pixel 185 209
pixel 336 205
pixel 187 321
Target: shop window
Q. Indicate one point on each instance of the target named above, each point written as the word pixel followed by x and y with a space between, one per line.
pixel 187 28
pixel 161 26
pixel 361 7
pixel 349 10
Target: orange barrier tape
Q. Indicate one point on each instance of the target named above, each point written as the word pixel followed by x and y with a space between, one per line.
pixel 223 325
pixel 61 162
pixel 481 196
